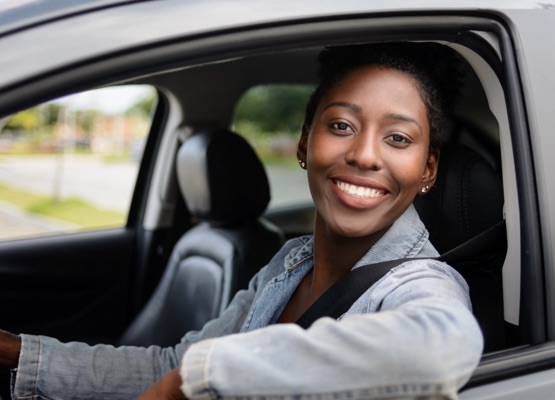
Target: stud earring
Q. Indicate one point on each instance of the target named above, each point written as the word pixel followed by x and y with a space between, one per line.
pixel 302 164
pixel 425 189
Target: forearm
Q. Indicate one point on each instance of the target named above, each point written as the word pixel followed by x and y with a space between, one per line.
pixel 57 370
pixel 10 347
pixel 424 334
pixel 53 369
pixel 361 356
pixel 167 388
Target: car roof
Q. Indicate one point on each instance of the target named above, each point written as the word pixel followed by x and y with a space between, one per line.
pixel 19 14
pixel 101 27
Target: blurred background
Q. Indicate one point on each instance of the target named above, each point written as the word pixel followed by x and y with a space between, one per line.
pixel 71 164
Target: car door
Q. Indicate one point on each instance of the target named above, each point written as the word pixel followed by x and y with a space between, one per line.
pixel 73 178
pixel 528 371
pixel 89 283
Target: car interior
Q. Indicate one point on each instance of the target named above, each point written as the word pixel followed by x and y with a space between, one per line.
pixel 467 199
pixel 203 232
pixel 229 243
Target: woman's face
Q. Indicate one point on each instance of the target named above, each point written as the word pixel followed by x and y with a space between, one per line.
pixel 366 152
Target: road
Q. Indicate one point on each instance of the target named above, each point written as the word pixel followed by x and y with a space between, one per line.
pixel 104 184
pixel 108 185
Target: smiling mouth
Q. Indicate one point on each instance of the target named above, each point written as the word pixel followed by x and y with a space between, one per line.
pixel 359 191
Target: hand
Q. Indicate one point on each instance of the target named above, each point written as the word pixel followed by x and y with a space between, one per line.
pixel 10 346
pixel 166 388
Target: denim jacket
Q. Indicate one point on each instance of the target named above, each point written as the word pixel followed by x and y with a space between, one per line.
pixel 424 341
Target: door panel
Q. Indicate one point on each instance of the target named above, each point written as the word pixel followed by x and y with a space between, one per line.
pixel 537 386
pixel 73 287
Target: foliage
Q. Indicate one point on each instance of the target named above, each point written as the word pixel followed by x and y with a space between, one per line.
pixel 86 120
pixel 143 107
pixel 28 120
pixel 77 122
pixel 42 117
pixel 273 109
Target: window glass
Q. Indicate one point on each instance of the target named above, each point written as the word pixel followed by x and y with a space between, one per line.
pixel 71 164
pixel 270 118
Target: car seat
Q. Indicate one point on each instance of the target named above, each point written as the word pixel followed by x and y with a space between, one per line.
pixel 225 187
pixel 466 200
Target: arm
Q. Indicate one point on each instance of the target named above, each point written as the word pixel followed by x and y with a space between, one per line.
pixel 53 369
pixel 58 370
pixel 10 346
pixel 167 388
pixel 424 340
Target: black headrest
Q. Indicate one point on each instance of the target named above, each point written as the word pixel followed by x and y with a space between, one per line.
pixel 221 178
pixel 466 200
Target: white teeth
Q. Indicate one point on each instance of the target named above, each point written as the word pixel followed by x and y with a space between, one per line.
pixel 359 191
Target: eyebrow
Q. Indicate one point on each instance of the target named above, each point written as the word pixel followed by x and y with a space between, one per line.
pixel 404 118
pixel 350 106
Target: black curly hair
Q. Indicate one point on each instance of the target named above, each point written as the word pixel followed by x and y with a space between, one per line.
pixel 435 68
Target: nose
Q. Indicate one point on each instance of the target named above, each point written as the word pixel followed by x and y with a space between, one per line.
pixel 364 152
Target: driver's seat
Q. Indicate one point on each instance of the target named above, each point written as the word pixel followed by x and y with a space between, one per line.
pixel 467 200
pixel 225 187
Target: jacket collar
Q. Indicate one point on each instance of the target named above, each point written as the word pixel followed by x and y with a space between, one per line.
pixel 407 238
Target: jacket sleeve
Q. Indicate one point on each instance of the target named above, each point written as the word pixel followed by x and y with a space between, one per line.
pixel 423 341
pixel 50 369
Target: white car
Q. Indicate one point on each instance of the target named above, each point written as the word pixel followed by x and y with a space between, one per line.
pixel 201 64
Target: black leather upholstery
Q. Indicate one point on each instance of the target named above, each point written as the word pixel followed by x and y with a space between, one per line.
pixel 225 186
pixel 467 200
pixel 221 178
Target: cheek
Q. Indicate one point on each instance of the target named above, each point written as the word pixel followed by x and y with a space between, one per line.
pixel 320 149
pixel 408 172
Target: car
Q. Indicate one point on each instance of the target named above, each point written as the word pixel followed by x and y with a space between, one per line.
pixel 203 67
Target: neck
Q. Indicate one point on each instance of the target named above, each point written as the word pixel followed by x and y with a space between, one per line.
pixel 336 255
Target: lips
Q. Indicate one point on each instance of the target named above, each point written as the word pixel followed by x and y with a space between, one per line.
pixel 359 191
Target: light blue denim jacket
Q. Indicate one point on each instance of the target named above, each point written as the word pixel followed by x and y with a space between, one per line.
pixel 423 342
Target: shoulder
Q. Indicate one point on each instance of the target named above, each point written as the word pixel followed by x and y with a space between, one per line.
pixel 431 279
pixel 419 280
pixel 430 268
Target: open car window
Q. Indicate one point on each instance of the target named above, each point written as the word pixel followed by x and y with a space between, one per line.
pixel 71 164
pixel 270 117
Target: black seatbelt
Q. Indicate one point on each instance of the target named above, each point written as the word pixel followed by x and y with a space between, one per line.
pixel 335 301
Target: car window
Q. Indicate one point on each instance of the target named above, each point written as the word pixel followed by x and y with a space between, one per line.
pixel 270 117
pixel 71 164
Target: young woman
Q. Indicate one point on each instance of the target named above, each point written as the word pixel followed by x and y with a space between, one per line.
pixel 370 144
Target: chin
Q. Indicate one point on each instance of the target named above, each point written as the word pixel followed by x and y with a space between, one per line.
pixel 353 232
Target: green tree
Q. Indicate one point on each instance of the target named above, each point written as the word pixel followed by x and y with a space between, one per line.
pixel 28 121
pixel 274 108
pixel 86 120
pixel 143 106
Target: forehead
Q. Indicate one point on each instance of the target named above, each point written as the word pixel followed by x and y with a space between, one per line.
pixel 374 82
pixel 378 93
pixel 378 73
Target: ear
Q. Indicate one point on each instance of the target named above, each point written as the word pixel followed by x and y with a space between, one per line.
pixel 430 172
pixel 303 144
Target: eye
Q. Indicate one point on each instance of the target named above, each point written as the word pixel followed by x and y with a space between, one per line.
pixel 399 140
pixel 340 126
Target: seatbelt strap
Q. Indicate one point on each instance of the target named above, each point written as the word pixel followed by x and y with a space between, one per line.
pixel 335 301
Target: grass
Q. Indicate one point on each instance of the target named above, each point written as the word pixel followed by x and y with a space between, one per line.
pixel 72 210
